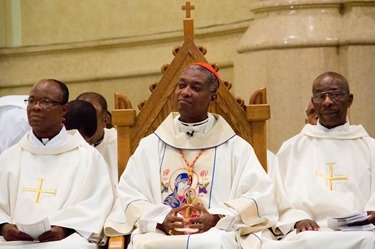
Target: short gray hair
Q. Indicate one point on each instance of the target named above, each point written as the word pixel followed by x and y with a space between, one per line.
pixel 212 81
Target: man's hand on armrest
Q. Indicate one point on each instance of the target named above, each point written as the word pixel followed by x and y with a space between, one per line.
pixel 306 225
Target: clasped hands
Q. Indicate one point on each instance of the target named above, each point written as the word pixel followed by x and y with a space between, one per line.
pixel 10 232
pixel 175 224
pixel 310 225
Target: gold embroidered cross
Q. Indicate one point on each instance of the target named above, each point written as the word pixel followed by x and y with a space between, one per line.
pixel 39 190
pixel 330 177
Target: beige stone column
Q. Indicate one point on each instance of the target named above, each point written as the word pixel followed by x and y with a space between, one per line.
pixel 290 43
pixel 357 59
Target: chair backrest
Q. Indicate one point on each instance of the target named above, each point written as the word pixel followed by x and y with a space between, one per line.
pixel 248 121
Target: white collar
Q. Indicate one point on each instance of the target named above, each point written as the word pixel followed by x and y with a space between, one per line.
pixel 215 135
pixel 191 128
pixel 56 140
pixel 343 132
pixel 340 128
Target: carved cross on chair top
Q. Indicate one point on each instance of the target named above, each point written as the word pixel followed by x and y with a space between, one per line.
pixel 188 8
pixel 188 21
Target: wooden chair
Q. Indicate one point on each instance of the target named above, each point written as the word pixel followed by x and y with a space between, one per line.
pixel 248 121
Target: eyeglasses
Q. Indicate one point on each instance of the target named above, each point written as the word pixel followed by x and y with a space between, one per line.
pixel 43 102
pixel 333 95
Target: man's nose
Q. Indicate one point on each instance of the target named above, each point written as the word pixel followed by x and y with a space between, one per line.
pixel 37 105
pixel 186 91
pixel 327 100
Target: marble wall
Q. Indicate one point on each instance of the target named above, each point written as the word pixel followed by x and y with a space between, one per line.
pixel 290 43
pixel 119 46
pixel 109 45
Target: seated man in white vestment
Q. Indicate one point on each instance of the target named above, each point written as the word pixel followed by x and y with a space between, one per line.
pixel 194 183
pixel 13 120
pixel 104 139
pixel 52 177
pixel 326 171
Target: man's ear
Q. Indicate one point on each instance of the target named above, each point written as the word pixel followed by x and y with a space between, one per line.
pixel 214 97
pixel 350 100
pixel 107 119
pixel 65 109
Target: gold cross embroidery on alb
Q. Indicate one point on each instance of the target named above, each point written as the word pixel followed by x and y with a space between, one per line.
pixel 330 177
pixel 39 190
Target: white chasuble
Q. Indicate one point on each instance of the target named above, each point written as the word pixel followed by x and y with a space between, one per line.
pixel 108 149
pixel 228 180
pixel 328 173
pixel 67 182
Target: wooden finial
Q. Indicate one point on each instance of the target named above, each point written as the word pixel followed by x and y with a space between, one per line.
pixel 188 8
pixel 188 21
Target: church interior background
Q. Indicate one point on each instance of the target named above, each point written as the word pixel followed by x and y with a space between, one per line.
pixel 111 46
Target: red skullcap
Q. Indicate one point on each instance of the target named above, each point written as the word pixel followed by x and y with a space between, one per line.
pixel 208 67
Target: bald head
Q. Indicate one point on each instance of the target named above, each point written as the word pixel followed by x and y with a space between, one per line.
pixel 331 99
pixel 332 77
